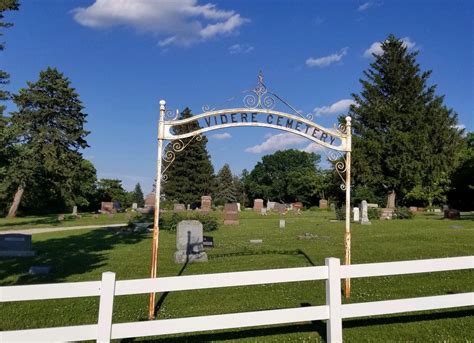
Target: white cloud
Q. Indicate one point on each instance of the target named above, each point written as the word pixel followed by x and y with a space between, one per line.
pixel 240 49
pixel 221 136
pixel 364 6
pixel 326 60
pixel 182 22
pixel 313 147
pixel 376 47
pixel 338 107
pixel 276 142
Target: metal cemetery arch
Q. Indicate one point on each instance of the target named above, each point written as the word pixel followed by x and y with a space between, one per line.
pixel 258 112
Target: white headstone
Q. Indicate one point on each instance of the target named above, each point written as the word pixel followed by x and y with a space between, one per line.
pixel 74 211
pixel 263 211
pixel 282 223
pixel 270 205
pixel 365 216
pixel 238 206
pixel 356 214
pixel 134 206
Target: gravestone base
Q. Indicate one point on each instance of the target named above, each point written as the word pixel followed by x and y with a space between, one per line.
pixel 387 213
pixel 182 256
pixel 365 222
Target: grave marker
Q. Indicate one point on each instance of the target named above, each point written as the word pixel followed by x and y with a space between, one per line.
pixel 365 216
pixel 189 242
pixel 231 214
pixel 15 244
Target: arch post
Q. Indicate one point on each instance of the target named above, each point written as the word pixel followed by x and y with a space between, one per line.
pixel 156 216
pixel 347 234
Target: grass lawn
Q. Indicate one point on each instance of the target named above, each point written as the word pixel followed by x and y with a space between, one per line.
pixel 84 254
pixel 51 220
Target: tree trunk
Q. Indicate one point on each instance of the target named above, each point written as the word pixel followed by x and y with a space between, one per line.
pixel 391 199
pixel 16 202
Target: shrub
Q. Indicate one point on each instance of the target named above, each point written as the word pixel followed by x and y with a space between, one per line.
pixel 373 213
pixel 340 213
pixel 170 221
pixel 402 213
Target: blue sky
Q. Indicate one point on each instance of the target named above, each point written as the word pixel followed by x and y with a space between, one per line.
pixel 124 56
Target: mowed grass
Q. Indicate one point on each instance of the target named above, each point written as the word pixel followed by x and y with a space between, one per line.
pixel 51 220
pixel 84 254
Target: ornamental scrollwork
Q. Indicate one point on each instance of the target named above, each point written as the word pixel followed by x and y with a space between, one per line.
pixel 340 165
pixel 173 148
pixel 341 128
pixel 259 97
pixel 171 115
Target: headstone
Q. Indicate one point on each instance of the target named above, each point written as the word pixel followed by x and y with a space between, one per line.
pixel 452 214
pixel 34 270
pixel 332 206
pixel 179 207
pixel 107 207
pixel 356 214
pixel 189 242
pixel 150 200
pixel 290 207
pixel 413 208
pixel 238 207
pixel 231 214
pixel 387 213
pixel 95 216
pixel 134 206
pixel 365 216
pixel 189 207
pixel 208 241
pixel 280 208
pixel 263 211
pixel 206 203
pixel 74 211
pixel 256 241
pixel 15 244
pixel 372 205
pixel 257 205
pixel 323 204
pixel 298 205
pixel 61 217
pixel 270 205
pixel 282 223
pixel 437 210
pixel 445 208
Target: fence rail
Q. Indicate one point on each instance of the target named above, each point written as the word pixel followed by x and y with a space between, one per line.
pixel 333 311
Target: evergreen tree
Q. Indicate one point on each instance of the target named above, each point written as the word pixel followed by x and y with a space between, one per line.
pixel 48 131
pixel 137 195
pixel 6 146
pixel 191 175
pixel 404 136
pixel 226 191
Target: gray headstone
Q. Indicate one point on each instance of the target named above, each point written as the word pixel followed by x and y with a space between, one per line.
pixel 282 223
pixel 39 270
pixel 15 244
pixel 179 207
pixel 356 214
pixel 74 211
pixel 263 211
pixel 364 220
pixel 332 206
pixel 134 206
pixel 189 242
pixel 238 207
pixel 270 205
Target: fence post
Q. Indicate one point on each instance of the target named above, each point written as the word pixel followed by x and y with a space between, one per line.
pixel 333 300
pixel 106 307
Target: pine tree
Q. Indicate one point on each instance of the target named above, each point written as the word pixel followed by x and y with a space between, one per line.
pixel 49 132
pixel 191 175
pixel 226 191
pixel 403 134
pixel 137 195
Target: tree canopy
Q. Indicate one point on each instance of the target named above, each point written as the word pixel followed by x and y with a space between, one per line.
pixel 47 134
pixel 226 191
pixel 404 136
pixel 286 176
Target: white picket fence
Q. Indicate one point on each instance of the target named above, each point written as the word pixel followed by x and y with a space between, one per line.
pixel 333 311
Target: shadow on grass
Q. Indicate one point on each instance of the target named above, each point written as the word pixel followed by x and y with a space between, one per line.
pixel 50 220
pixel 70 255
pixel 315 326
pixel 295 252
